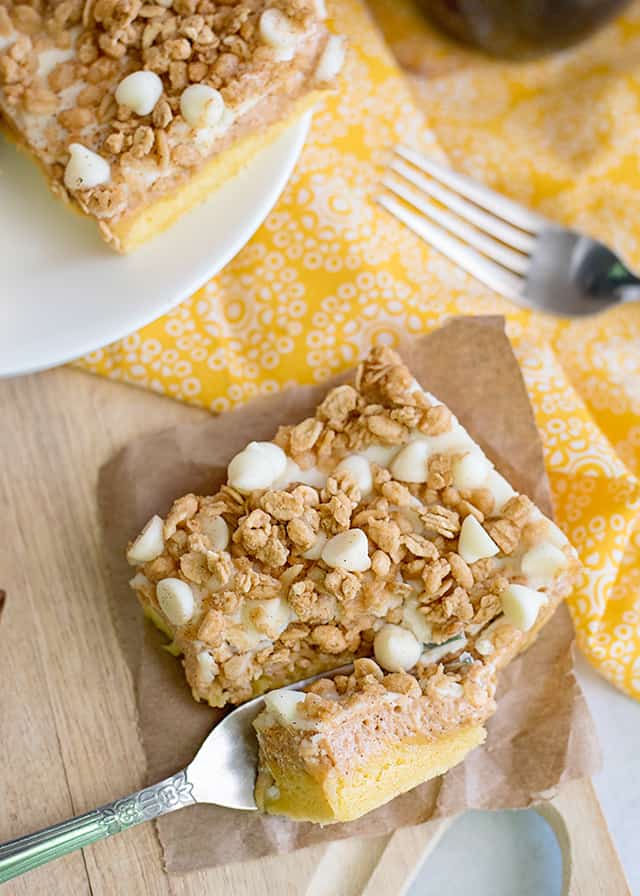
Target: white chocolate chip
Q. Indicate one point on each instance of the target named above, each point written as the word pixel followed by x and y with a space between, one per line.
pixel 207 667
pixel 315 551
pixel 283 705
pixel 410 464
pixel 176 600
pixel 201 106
pixel 414 620
pixel 331 59
pixel 435 654
pixel 272 793
pixel 474 543
pixel 139 91
pixel 396 649
pixel 258 466
pixel 521 605
pixel 217 531
pixel 499 488
pixel 470 471
pixel 149 544
pixel 277 457
pixel 292 473
pixel 360 469
pixel 348 550
pixel 381 454
pixel 277 31
pixel 275 613
pixel 543 562
pixel 555 534
pixel 85 169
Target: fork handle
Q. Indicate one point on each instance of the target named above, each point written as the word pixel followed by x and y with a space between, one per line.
pixel 630 292
pixel 619 280
pixel 25 853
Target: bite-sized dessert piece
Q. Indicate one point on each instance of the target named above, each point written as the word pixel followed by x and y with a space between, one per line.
pixel 353 743
pixel 136 110
pixel 375 529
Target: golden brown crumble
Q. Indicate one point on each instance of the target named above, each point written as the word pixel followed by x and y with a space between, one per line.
pixel 505 533
pixel 441 520
pixel 307 616
pixel 460 570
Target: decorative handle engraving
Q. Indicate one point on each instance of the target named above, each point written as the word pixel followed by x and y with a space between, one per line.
pixel 28 852
pixel 168 795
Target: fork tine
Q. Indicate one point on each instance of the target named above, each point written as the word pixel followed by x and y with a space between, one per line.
pixel 514 261
pixel 505 208
pixel 490 273
pixel 502 231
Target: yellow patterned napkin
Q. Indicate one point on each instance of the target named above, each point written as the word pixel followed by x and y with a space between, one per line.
pixel 329 272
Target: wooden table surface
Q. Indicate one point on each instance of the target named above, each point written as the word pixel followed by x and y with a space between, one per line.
pixel 67 718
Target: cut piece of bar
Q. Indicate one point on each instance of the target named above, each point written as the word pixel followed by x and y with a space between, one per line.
pixel 136 111
pixel 348 745
pixel 376 528
pixel 352 744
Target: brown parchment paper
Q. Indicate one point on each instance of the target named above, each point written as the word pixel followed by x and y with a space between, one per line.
pixel 541 735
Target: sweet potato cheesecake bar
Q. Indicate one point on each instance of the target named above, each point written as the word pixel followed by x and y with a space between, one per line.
pixel 374 531
pixel 135 110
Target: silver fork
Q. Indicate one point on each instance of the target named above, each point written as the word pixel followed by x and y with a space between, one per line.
pixel 518 253
pixel 222 772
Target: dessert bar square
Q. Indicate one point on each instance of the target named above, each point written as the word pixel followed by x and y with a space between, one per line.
pixel 374 531
pixel 136 110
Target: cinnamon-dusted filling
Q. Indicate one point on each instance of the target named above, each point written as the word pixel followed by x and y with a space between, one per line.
pixel 338 723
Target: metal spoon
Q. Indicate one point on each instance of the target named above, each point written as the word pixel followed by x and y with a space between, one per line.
pixel 223 772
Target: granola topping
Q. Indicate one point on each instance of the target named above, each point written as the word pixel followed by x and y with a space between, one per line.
pixel 278 579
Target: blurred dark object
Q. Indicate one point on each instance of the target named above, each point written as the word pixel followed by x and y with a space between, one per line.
pixel 520 29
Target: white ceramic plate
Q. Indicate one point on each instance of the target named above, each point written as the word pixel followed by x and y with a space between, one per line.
pixel 63 293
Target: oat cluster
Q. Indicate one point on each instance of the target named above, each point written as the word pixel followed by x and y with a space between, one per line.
pixel 338 612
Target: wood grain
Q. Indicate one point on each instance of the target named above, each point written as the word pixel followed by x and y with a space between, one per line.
pixel 591 864
pixel 67 716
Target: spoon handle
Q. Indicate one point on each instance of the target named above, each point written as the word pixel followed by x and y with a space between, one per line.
pixel 25 853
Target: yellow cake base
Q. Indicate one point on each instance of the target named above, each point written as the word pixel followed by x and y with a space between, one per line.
pixel 400 768
pixel 133 230
pixel 136 229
